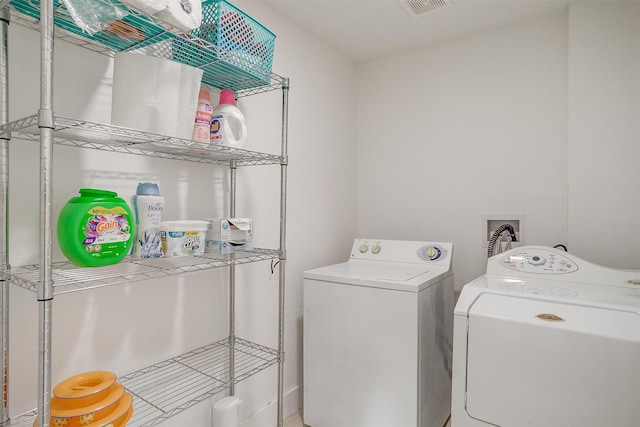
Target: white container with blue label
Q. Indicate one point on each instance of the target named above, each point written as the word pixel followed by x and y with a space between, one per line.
pixel 228 235
pixel 183 238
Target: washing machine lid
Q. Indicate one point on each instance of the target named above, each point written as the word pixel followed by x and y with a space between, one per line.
pixel 391 264
pixel 381 274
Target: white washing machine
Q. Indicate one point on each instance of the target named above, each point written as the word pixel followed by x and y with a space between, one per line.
pixel 547 339
pixel 378 333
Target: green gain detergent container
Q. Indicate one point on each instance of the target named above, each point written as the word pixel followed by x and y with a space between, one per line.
pixel 96 228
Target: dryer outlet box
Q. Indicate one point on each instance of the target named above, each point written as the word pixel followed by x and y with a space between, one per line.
pixel 491 222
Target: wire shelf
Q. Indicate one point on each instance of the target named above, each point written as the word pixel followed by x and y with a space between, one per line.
pixel 167 388
pixel 68 277
pixel 172 386
pixel 85 134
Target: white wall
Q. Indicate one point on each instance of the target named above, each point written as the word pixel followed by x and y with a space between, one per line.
pixel 464 128
pixel 127 327
pixel 604 132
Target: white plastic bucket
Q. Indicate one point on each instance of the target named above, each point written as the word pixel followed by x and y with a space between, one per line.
pixel 225 412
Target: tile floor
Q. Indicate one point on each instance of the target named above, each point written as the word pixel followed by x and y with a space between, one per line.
pixel 295 420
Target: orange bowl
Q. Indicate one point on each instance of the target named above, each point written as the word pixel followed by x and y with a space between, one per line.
pixel 86 388
pixel 123 421
pixel 66 408
pixel 118 416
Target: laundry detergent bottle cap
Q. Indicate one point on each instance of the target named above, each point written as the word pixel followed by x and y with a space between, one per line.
pixel 95 228
pixel 228 124
pixel 227 97
pixel 147 189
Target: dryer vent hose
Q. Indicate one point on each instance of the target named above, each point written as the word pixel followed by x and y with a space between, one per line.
pixel 496 236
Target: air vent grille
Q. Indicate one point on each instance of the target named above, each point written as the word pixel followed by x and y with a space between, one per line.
pixel 422 7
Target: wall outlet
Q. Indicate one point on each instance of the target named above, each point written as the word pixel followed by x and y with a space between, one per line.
pixel 491 222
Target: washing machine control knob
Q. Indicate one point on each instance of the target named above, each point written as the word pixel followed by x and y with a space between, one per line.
pixel 375 249
pixel 363 248
pixel 432 253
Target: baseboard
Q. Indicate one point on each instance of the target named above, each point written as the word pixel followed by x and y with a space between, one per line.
pixel 266 417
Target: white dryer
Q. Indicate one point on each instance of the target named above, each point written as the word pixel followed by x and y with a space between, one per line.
pixel 547 339
pixel 378 333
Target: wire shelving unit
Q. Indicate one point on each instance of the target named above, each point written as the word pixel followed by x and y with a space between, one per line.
pixel 171 386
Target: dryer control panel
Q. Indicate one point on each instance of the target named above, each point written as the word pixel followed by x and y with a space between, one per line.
pixel 534 260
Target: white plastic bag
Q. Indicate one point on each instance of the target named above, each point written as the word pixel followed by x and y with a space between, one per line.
pixel 90 15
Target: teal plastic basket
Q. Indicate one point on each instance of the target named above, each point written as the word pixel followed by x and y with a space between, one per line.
pixel 234 50
pixel 131 31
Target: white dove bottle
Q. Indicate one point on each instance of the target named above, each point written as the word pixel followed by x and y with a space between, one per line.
pixel 147 211
pixel 228 125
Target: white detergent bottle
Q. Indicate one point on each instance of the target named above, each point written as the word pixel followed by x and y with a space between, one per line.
pixel 147 210
pixel 228 125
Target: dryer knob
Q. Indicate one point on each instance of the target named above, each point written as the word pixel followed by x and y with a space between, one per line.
pixel 432 253
pixel 363 248
pixel 375 249
pixel 537 260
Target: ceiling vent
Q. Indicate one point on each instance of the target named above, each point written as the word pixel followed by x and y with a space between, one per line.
pixel 423 7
